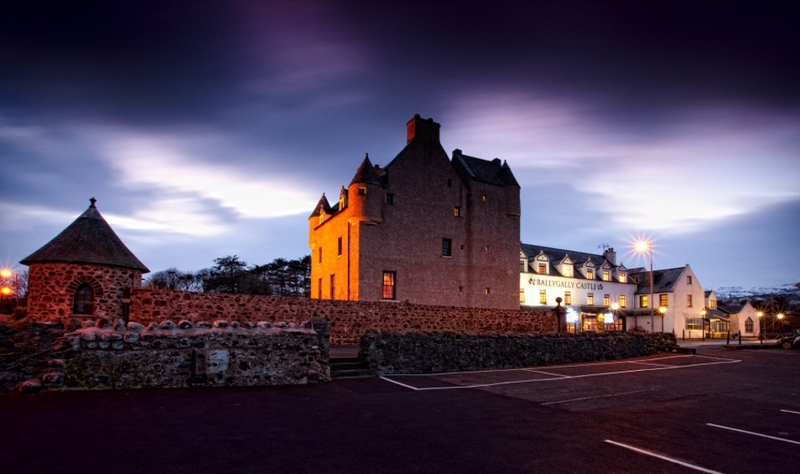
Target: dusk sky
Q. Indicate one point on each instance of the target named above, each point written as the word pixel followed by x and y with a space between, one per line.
pixel 207 129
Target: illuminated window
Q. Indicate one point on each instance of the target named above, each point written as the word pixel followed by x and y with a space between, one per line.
pixel 457 211
pixel 748 325
pixel 590 274
pixel 83 300
pixel 606 300
pixel 663 300
pixel 486 248
pixel 712 303
pixel 566 270
pixel 623 278
pixel 606 275
pixel 567 297
pixel 333 286
pixel 542 268
pixel 447 247
pixel 643 301
pixel 688 301
pixel 522 295
pixel 694 323
pixel 623 301
pixel 389 198
pixel 339 247
pixel 483 197
pixel 590 299
pixel 389 285
pixel 487 290
pixel 542 296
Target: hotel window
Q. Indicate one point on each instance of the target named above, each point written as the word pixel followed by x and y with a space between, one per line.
pixel 623 301
pixel 590 299
pixel 643 301
pixel 389 285
pixel 606 300
pixel 447 247
pixel 623 278
pixel 522 295
pixel 389 198
pixel 567 270
pixel 748 325
pixel 542 268
pixel 663 300
pixel 542 296
pixel 339 247
pixel 688 301
pixel 712 304
pixel 606 275
pixel 590 274
pixel 83 300
pixel 694 323
pixel 457 211
pixel 333 286
pixel 688 279
pixel 567 297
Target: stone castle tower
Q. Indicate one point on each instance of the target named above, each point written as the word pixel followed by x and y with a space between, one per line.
pixel 85 272
pixel 425 228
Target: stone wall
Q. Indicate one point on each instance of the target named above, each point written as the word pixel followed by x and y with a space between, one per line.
pixel 170 355
pixel 349 319
pixel 432 352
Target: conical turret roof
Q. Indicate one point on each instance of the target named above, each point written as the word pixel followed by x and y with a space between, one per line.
pixel 90 240
pixel 365 174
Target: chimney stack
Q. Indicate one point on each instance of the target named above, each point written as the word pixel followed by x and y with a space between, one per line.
pixel 422 129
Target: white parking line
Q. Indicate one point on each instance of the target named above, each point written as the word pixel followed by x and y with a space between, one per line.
pixel 546 373
pixel 792 412
pixel 592 398
pixel 665 458
pixel 560 378
pixel 754 433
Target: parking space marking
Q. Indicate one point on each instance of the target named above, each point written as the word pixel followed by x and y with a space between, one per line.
pixel 556 377
pixel 754 433
pixel 661 456
pixel 650 363
pixel 583 399
pixel 547 373
pixel 792 412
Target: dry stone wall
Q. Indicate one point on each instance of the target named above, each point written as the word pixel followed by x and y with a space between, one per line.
pixel 170 355
pixel 432 352
pixel 349 320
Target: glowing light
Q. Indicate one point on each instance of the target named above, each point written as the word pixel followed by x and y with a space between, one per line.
pixel 609 318
pixel 614 306
pixel 5 291
pixel 662 310
pixel 5 273
pixel 572 315
pixel 780 316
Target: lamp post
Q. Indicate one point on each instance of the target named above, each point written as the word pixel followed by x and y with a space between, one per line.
pixel 644 246
pixel 6 288
pixel 761 328
pixel 780 326
pixel 703 313
pixel 662 310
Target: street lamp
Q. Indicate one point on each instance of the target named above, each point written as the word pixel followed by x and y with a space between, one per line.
pixel 642 246
pixel 761 328
pixel 703 313
pixel 780 326
pixel 662 310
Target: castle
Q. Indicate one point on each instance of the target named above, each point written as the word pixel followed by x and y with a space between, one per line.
pixel 425 229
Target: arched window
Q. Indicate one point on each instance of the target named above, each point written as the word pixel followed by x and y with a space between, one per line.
pixel 83 301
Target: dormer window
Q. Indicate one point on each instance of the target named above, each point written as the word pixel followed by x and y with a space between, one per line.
pixel 567 270
pixel 606 275
pixel 623 278
pixel 541 268
pixel 589 274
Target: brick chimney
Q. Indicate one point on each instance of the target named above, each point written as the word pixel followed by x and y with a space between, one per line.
pixel 610 255
pixel 422 129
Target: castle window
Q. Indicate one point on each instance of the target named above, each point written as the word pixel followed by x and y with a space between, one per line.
pixel 623 301
pixel 362 191
pixel 389 285
pixel 319 256
pixel 389 198
pixel 319 288
pixel 606 275
pixel 567 297
pixel 83 302
pixel 590 274
pixel 487 290
pixel 447 247
pixel 590 299
pixel 663 300
pixel 449 183
pixel 333 286
pixel 483 197
pixel 457 211
pixel 542 296
pixel 339 246
pixel 486 248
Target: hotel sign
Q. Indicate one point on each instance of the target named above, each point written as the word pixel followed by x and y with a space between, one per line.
pixel 581 285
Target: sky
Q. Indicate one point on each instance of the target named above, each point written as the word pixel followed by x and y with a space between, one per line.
pixel 207 129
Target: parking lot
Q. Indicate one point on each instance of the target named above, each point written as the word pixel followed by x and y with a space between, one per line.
pixel 717 411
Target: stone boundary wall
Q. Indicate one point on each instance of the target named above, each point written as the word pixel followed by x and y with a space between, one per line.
pixel 349 319
pixel 169 355
pixel 432 352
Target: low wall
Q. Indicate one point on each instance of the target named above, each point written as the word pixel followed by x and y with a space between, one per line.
pixel 430 352
pixel 349 319
pixel 170 355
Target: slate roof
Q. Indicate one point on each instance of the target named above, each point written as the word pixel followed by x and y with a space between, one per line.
pixel 90 240
pixel 663 280
pixel 366 174
pixel 492 172
pixel 556 255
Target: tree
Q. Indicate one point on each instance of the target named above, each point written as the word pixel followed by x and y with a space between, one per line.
pixel 226 276
pixel 174 279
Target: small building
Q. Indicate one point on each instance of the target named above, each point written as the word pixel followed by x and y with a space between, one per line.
pixel 594 288
pixel 740 320
pixel 673 303
pixel 84 272
pixel 425 229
